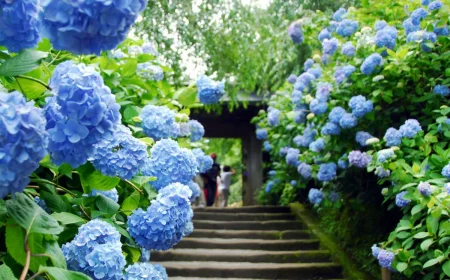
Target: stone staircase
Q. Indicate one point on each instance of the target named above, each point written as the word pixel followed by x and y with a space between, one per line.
pixel 257 242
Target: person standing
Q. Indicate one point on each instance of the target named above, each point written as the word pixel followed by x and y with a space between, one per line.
pixel 211 182
pixel 224 185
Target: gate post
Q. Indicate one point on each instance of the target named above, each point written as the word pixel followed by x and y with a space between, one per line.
pixel 253 173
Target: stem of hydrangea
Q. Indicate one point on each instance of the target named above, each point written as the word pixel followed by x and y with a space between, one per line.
pixel 27 260
pixel 35 275
pixel 134 186
pixel 39 180
pixel 34 80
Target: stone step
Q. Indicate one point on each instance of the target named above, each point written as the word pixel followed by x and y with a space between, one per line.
pixel 248 225
pixel 246 209
pixel 248 244
pixel 214 216
pixel 253 256
pixel 255 234
pixel 253 270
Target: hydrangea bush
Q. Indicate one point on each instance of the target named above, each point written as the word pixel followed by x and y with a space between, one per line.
pixel 379 106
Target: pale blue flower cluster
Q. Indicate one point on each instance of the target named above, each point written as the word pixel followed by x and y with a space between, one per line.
pixel 149 48
pixel 150 72
pixel 304 170
pixel 272 173
pixel 196 129
pixel 23 141
pixel 209 91
pixel 295 32
pixel 425 188
pixel 292 78
pixel 317 146
pixel 385 258
pixel 327 172
pixel 19 24
pixel 409 26
pixel 296 97
pixel 343 73
pixel 336 114
pixel 370 64
pixel 393 137
pixel 442 90
pixel 304 81
pixel 360 106
pixel 324 34
pixel 309 134
pixel 162 271
pixel 157 121
pixel 359 159
pixel 308 64
pixel 362 137
pixel 330 129
pixel 273 117
pixel 386 37
pixel 343 162
pixel 323 91
pixel 380 24
pixel 300 116
pixel 329 46
pixel 325 58
pixel 122 155
pixel 112 194
pixel 340 14
pixel 425 2
pixel 82 113
pixel 410 128
pixel 348 121
pixel 293 183
pixel 422 37
pixel 195 189
pixel 315 196
pixel 318 107
pixel 417 15
pixel 348 49
pixel 382 173
pixel 347 28
pixel 261 134
pixel 170 164
pixel 96 251
pixel 88 27
pixel 384 155
pixel 204 162
pixel 269 186
pixel 316 72
pixel 400 201
pixel 446 171
pixel 292 157
pixel 283 151
pixel 441 31
pixel 267 146
pixel 142 271
pixel 333 196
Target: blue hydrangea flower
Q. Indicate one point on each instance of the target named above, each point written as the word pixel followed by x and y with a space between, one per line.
pixel 370 64
pixel 435 5
pixel 400 201
pixel 348 121
pixel 170 164
pixel 360 106
pixel 164 222
pixel 343 73
pixel 296 97
pixel 386 37
pixel 362 137
pixel 358 159
pixel 145 255
pixel 330 46
pixel 283 151
pixel 336 114
pixel 447 188
pixel 324 34
pixel 197 130
pixel 385 258
pixel 295 32
pixel 323 91
pixel 82 113
pixel 19 24
pixel 425 188
pixel 292 157
pixel 157 121
pixel 300 116
pixel 291 79
pixel 348 49
pixel 209 91
pixel 273 117
pixel 315 196
pixel 149 48
pixel 293 183
pixel 317 146
pixel 149 71
pixel 308 64
pixel 195 189
pixel 442 90
pixel 96 251
pixel 382 173
pixel 330 129
pixel 317 107
pixel 422 37
pixel 261 134
pixel 42 204
pixel 327 172
pixel 118 54
pixel 333 196
pixel 347 28
pixel 269 186
pixel 410 128
pixel 162 271
pixel 306 78
pixel 409 26
pixel 112 194
pixel 267 146
pixel 304 170
pixel 94 26
pixel 393 137
pixel 325 59
pixel 340 14
pixel 441 31
pixel 446 171
pixel 380 24
pixel 384 155
pixel 316 72
pixel 142 271
pixel 425 2
pixel 333 25
pixel 23 141
pixel 309 134
pixel 343 162
pixel 272 173
pixel 122 156
pixel 417 15
pixel 204 162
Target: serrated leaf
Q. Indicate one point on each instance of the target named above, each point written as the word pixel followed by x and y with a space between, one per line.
pixel 130 203
pixel 22 63
pixel 67 218
pixel 31 89
pixel 54 201
pixel 54 252
pixel 106 205
pixel 30 216
pixel 6 273
pixel 55 273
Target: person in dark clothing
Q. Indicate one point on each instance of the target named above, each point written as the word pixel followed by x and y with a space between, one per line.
pixel 211 182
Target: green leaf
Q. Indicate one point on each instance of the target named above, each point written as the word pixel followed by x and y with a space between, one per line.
pixel 416 209
pixel 55 273
pixel 446 268
pixel 6 273
pixel 432 224
pixel 31 89
pixel 133 253
pixel 30 216
pixel 131 203
pixel 401 266
pixel 430 263
pixel 54 201
pixel 3 212
pixel 421 235
pixel 54 252
pixel 129 68
pixel 93 179
pixel 66 218
pixel 426 244
pixel 106 205
pixel 130 112
pixel 186 96
pixel 142 180
pixel 22 63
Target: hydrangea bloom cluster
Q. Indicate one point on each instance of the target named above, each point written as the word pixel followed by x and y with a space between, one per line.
pixel 343 162
pixel 96 251
pixel 347 28
pixel 164 223
pixel 170 164
pixel 342 73
pixel 292 78
pixel 272 173
pixel 149 48
pixel 382 173
pixel 386 37
pixel 323 91
pixel 122 156
pixel 410 128
pixel 296 97
pixel 330 46
pixel 82 113
pixel 417 15
pixel 316 72
pixel 317 146
pixel 330 129
pixel 305 170
pixel 273 117
pixel 446 171
pixel 327 172
pixel 435 5
pixel 393 137
pixel 269 186
pixel 261 134
pixel 336 114
pixel 19 24
pixel 157 121
pixel 442 90
pixel 138 271
pixel 296 33
pixel 195 189
pixel 324 34
pixel 385 258
pixel 359 159
pixel 400 201
pixel 196 129
pixel 307 138
pixel 267 146
pixel 380 24
pixel 149 71
pixel 425 188
pixel 315 196
pixel 292 157
pixel 204 162
pixel 23 141
pixel 340 14
pixel 209 91
pixel 300 116
pixel 362 137
pixel 283 151
pixel 96 26
pixel 318 107
pixel 370 63
pixel 384 155
pixel 409 26
pixel 348 49
pixel 360 106
pixel 308 64
pixel 348 121
pixel 112 194
pixel 422 37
